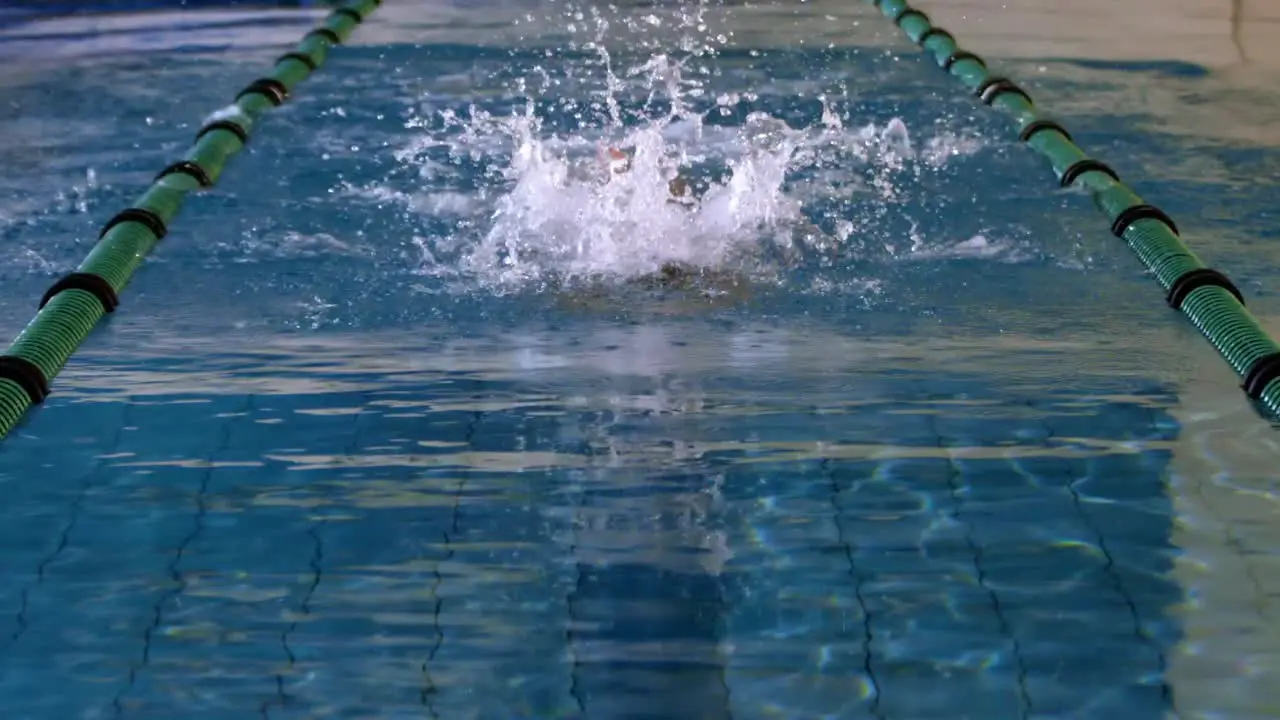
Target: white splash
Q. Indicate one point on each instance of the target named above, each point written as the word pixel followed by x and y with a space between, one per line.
pixel 563 213
pixel 552 210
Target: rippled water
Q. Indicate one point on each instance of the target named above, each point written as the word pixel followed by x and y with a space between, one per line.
pixel 406 418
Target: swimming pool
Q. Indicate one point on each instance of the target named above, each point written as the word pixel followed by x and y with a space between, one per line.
pixel 395 424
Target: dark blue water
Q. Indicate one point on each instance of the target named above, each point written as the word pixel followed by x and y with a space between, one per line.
pixel 327 460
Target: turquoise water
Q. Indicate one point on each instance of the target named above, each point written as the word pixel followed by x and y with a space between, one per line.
pixel 397 422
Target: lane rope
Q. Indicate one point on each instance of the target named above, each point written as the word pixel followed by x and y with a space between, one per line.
pixel 71 307
pixel 1207 297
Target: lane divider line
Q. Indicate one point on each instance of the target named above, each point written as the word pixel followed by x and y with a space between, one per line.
pixel 73 306
pixel 1207 297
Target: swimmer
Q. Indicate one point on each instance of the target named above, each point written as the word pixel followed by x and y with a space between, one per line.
pixel 675 274
pixel 671 274
pixel 619 162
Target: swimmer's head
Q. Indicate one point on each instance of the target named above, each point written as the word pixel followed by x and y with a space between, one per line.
pixel 619 160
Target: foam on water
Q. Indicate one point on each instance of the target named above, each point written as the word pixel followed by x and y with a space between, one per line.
pixel 549 212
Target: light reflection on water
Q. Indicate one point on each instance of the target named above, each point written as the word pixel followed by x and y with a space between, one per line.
pixel 642 529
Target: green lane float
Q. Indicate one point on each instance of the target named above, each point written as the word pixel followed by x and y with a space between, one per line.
pixel 1206 296
pixel 73 305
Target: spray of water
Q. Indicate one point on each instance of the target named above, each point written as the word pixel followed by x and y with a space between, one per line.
pixel 550 209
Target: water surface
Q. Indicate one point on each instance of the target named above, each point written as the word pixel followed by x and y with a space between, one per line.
pixel 397 421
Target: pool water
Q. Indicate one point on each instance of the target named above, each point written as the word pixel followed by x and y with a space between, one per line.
pixel 403 419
